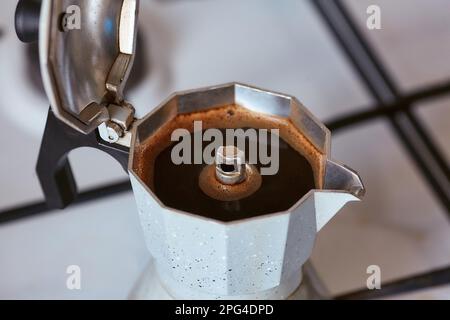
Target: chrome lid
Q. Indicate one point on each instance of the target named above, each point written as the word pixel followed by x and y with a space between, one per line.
pixel 86 53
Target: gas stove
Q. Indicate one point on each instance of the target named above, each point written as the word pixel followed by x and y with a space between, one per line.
pixel 179 61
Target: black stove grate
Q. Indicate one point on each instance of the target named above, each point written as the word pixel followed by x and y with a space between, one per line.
pixel 391 105
pixel 397 109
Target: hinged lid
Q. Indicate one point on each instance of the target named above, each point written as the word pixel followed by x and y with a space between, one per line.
pixel 86 53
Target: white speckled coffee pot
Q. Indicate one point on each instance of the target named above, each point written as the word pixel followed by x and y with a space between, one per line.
pixel 254 258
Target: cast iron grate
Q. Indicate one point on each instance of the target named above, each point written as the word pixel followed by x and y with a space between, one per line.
pixel 397 109
pixel 391 105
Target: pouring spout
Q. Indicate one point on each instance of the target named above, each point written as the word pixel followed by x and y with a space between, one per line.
pixel 342 185
pixel 341 178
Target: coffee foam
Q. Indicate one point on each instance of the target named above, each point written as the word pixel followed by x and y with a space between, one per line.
pixel 212 187
pixel 226 117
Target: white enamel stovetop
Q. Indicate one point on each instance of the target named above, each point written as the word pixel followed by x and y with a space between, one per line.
pixel 280 45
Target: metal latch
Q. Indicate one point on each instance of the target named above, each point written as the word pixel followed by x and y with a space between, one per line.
pixel 117 129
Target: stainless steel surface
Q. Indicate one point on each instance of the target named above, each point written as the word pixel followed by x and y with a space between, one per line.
pixel 116 130
pixel 249 97
pixel 84 70
pixel 110 132
pixel 123 115
pixel 340 177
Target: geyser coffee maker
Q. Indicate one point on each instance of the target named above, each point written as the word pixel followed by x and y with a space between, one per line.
pixel 217 229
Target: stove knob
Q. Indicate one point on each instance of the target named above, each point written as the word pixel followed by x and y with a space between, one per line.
pixel 27 20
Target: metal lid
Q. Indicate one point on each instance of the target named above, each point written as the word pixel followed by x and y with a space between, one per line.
pixel 86 53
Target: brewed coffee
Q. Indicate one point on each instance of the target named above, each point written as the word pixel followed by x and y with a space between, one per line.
pixel 177 186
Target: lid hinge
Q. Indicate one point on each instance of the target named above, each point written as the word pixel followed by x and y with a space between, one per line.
pixel 117 128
